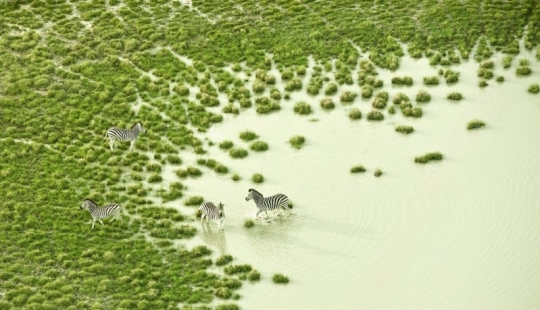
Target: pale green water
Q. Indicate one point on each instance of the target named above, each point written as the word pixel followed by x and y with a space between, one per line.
pixel 460 234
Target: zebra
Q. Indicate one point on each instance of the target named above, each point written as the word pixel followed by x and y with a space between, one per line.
pixel 124 134
pixel 98 213
pixel 268 203
pixel 212 212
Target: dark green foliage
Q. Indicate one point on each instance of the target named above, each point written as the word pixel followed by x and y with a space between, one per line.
pixel 475 124
pixel 428 157
pixel 297 141
pixel 404 129
pixel 423 96
pixel 347 96
pixel 523 70
pixel 227 144
pixel 355 114
pixel 224 260
pixel 248 223
pixel 259 146
pixel 331 89
pixel 534 89
pixel 193 201
pixel 327 104
pixel 234 269
pixel 375 116
pixel 405 80
pixel 280 279
pixel 377 173
pixel 257 178
pixel 454 96
pixel 302 108
pixel 238 153
pixel 431 80
pixel 248 135
pixel 358 169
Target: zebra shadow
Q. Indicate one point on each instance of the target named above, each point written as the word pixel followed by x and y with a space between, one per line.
pixel 214 238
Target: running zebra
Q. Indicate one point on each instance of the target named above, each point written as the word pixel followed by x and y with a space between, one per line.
pixel 268 203
pixel 212 212
pixel 124 134
pixel 102 212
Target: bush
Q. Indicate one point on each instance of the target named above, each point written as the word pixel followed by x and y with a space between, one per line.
pixel 297 141
pixel 404 129
pixel 431 80
pixel 259 146
pixel 423 96
pixel 224 260
pixel 227 144
pixel 358 169
pixel 238 153
pixel 355 114
pixel 428 157
pixel 249 223
pixel 234 269
pixel 475 124
pixel 400 98
pixel 412 112
pixel 331 89
pixel 327 104
pixel 302 108
pixel 534 89
pixel 193 201
pixel 454 96
pixel 155 178
pixel 248 135
pixel 523 70
pixel 235 177
pixel 257 178
pixel 375 116
pixel 347 96
pixel 280 279
pixel 377 173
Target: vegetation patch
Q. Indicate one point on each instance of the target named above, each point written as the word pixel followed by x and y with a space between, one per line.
pixel 435 156
pixel 278 278
pixel 297 141
pixel 475 124
pixel 358 169
pixel 302 108
pixel 404 129
pixel 355 114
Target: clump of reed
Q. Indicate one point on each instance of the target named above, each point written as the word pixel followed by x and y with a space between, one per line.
pixel 428 157
pixel 259 146
pixel 224 260
pixel 248 135
pixel 238 153
pixel 226 144
pixel 347 97
pixel 404 129
pixel 405 80
pixel 257 178
pixel 378 172
pixel 278 278
pixel 431 80
pixel 423 96
pixel 193 201
pixel 400 98
pixel 475 124
pixel 249 223
pixel 534 89
pixel 380 100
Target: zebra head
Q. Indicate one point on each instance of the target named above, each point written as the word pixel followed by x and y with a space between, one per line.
pixel 250 194
pixel 139 126
pixel 221 210
pixel 86 203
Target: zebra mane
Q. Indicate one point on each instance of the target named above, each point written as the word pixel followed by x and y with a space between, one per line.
pixel 135 125
pixel 91 201
pixel 256 191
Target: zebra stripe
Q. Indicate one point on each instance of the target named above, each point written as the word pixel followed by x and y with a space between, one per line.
pixel 268 203
pixel 102 212
pixel 211 212
pixel 120 134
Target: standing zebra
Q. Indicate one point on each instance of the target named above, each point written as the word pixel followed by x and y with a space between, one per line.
pixel 102 212
pixel 124 134
pixel 268 203
pixel 212 212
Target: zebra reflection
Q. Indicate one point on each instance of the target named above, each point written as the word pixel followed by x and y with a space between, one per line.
pixel 214 238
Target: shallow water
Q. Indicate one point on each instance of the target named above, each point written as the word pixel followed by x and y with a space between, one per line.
pixel 463 233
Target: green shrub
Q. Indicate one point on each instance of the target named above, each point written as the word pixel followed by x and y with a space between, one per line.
pixel 454 96
pixel 155 178
pixel 423 96
pixel 254 275
pixel 248 135
pixel 404 129
pixel 234 269
pixel 259 146
pixel 238 153
pixel 193 201
pixel 428 157
pixel 257 178
pixel 355 114
pixel 249 223
pixel 297 141
pixel 431 80
pixel 280 279
pixel 400 98
pixel 375 116
pixel 475 124
pixel 224 260
pixel 358 169
pixel 302 108
pixel 227 144
pixel 347 96
pixel 235 177
pixel 331 89
pixel 412 112
pixel 534 89
pixel 377 173
pixel 523 70
pixel 327 103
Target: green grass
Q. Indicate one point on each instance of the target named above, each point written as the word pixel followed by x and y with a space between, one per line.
pixel 534 89
pixel 475 124
pixel 248 135
pixel 297 141
pixel 280 279
pixel 249 223
pixel 238 153
pixel 259 146
pixel 257 178
pixel 327 104
pixel 454 96
pixel 435 156
pixel 375 116
pixel 423 96
pixel 302 108
pixel 378 173
pixel 355 114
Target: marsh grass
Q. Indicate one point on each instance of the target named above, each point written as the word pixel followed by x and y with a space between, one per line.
pixel 248 135
pixel 375 116
pixel 355 114
pixel 327 104
pixel 534 89
pixel 302 108
pixel 279 278
pixel 249 223
pixel 257 178
pixel 259 146
pixel 423 96
pixel 378 172
pixel 435 156
pixel 454 96
pixel 358 169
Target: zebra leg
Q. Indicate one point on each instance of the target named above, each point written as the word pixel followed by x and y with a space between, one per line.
pixel 111 144
pixel 100 222
pixel 202 217
pixel 257 215
pixel 131 145
pixel 93 222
